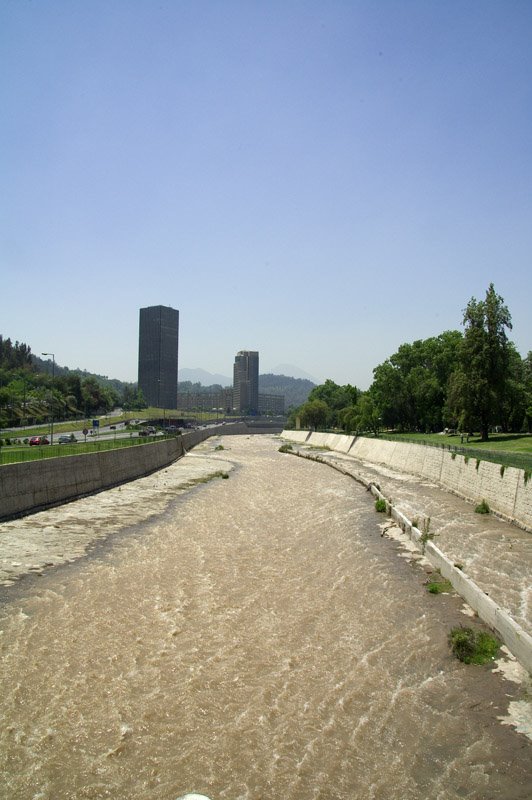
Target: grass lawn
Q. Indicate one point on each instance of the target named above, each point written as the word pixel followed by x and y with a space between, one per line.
pixel 507 442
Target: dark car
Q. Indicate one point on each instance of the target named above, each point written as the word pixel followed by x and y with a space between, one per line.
pixel 39 440
pixel 66 438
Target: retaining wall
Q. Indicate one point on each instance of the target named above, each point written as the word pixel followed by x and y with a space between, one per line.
pixel 518 641
pixel 504 489
pixel 33 485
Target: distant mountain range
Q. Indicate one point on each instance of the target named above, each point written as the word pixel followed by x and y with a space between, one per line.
pixel 292 371
pixel 295 390
pixel 203 377
pixel 211 378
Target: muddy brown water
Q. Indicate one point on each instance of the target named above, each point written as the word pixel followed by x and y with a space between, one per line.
pixel 255 638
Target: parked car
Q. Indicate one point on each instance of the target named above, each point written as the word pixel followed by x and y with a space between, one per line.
pixel 66 438
pixel 39 440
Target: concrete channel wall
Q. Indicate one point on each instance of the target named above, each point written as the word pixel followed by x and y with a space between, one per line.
pixel 504 489
pixel 31 486
pixel 518 641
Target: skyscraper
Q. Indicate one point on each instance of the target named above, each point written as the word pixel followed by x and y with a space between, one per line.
pixel 158 348
pixel 246 382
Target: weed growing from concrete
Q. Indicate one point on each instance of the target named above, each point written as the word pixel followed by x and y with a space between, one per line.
pixel 526 476
pixel 473 647
pixel 207 478
pixel 438 585
pixel 380 505
pixel 477 464
pixel 502 470
pixel 219 447
pixel 426 535
pixel 482 508
pixel 285 448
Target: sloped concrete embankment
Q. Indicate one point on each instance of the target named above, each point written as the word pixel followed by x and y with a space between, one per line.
pixel 29 486
pixel 518 641
pixel 504 489
pixel 34 485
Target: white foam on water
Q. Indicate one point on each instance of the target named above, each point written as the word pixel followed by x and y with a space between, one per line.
pixel 257 640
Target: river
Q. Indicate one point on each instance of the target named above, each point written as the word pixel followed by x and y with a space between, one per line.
pixel 254 637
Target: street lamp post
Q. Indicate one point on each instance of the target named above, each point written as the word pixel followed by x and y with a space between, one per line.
pixel 52 399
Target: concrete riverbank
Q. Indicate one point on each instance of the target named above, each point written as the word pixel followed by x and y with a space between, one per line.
pixel 507 490
pixel 487 562
pixel 30 486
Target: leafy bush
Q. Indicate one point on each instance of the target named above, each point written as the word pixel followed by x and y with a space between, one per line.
pixel 473 647
pixel 380 505
pixel 482 508
pixel 438 585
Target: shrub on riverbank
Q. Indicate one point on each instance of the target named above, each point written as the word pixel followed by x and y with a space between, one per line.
pixel 473 647
pixel 437 584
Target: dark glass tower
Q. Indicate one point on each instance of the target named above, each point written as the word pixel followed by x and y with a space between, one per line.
pixel 158 348
pixel 246 382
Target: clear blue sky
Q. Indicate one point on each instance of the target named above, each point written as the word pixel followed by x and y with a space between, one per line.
pixel 319 181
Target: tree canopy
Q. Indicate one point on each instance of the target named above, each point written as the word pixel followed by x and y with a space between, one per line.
pixel 472 381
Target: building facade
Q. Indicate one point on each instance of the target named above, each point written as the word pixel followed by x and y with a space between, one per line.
pixel 158 355
pixel 246 382
pixel 271 405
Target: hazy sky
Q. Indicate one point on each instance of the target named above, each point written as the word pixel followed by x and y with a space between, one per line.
pixel 319 181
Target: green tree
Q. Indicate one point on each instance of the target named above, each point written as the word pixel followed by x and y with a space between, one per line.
pixel 313 414
pixel 410 387
pixel 364 416
pixel 336 398
pixel 484 363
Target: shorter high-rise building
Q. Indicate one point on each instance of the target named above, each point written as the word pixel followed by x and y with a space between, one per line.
pixel 271 404
pixel 158 355
pixel 246 382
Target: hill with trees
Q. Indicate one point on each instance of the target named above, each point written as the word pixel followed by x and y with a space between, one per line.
pixel 295 390
pixel 33 389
